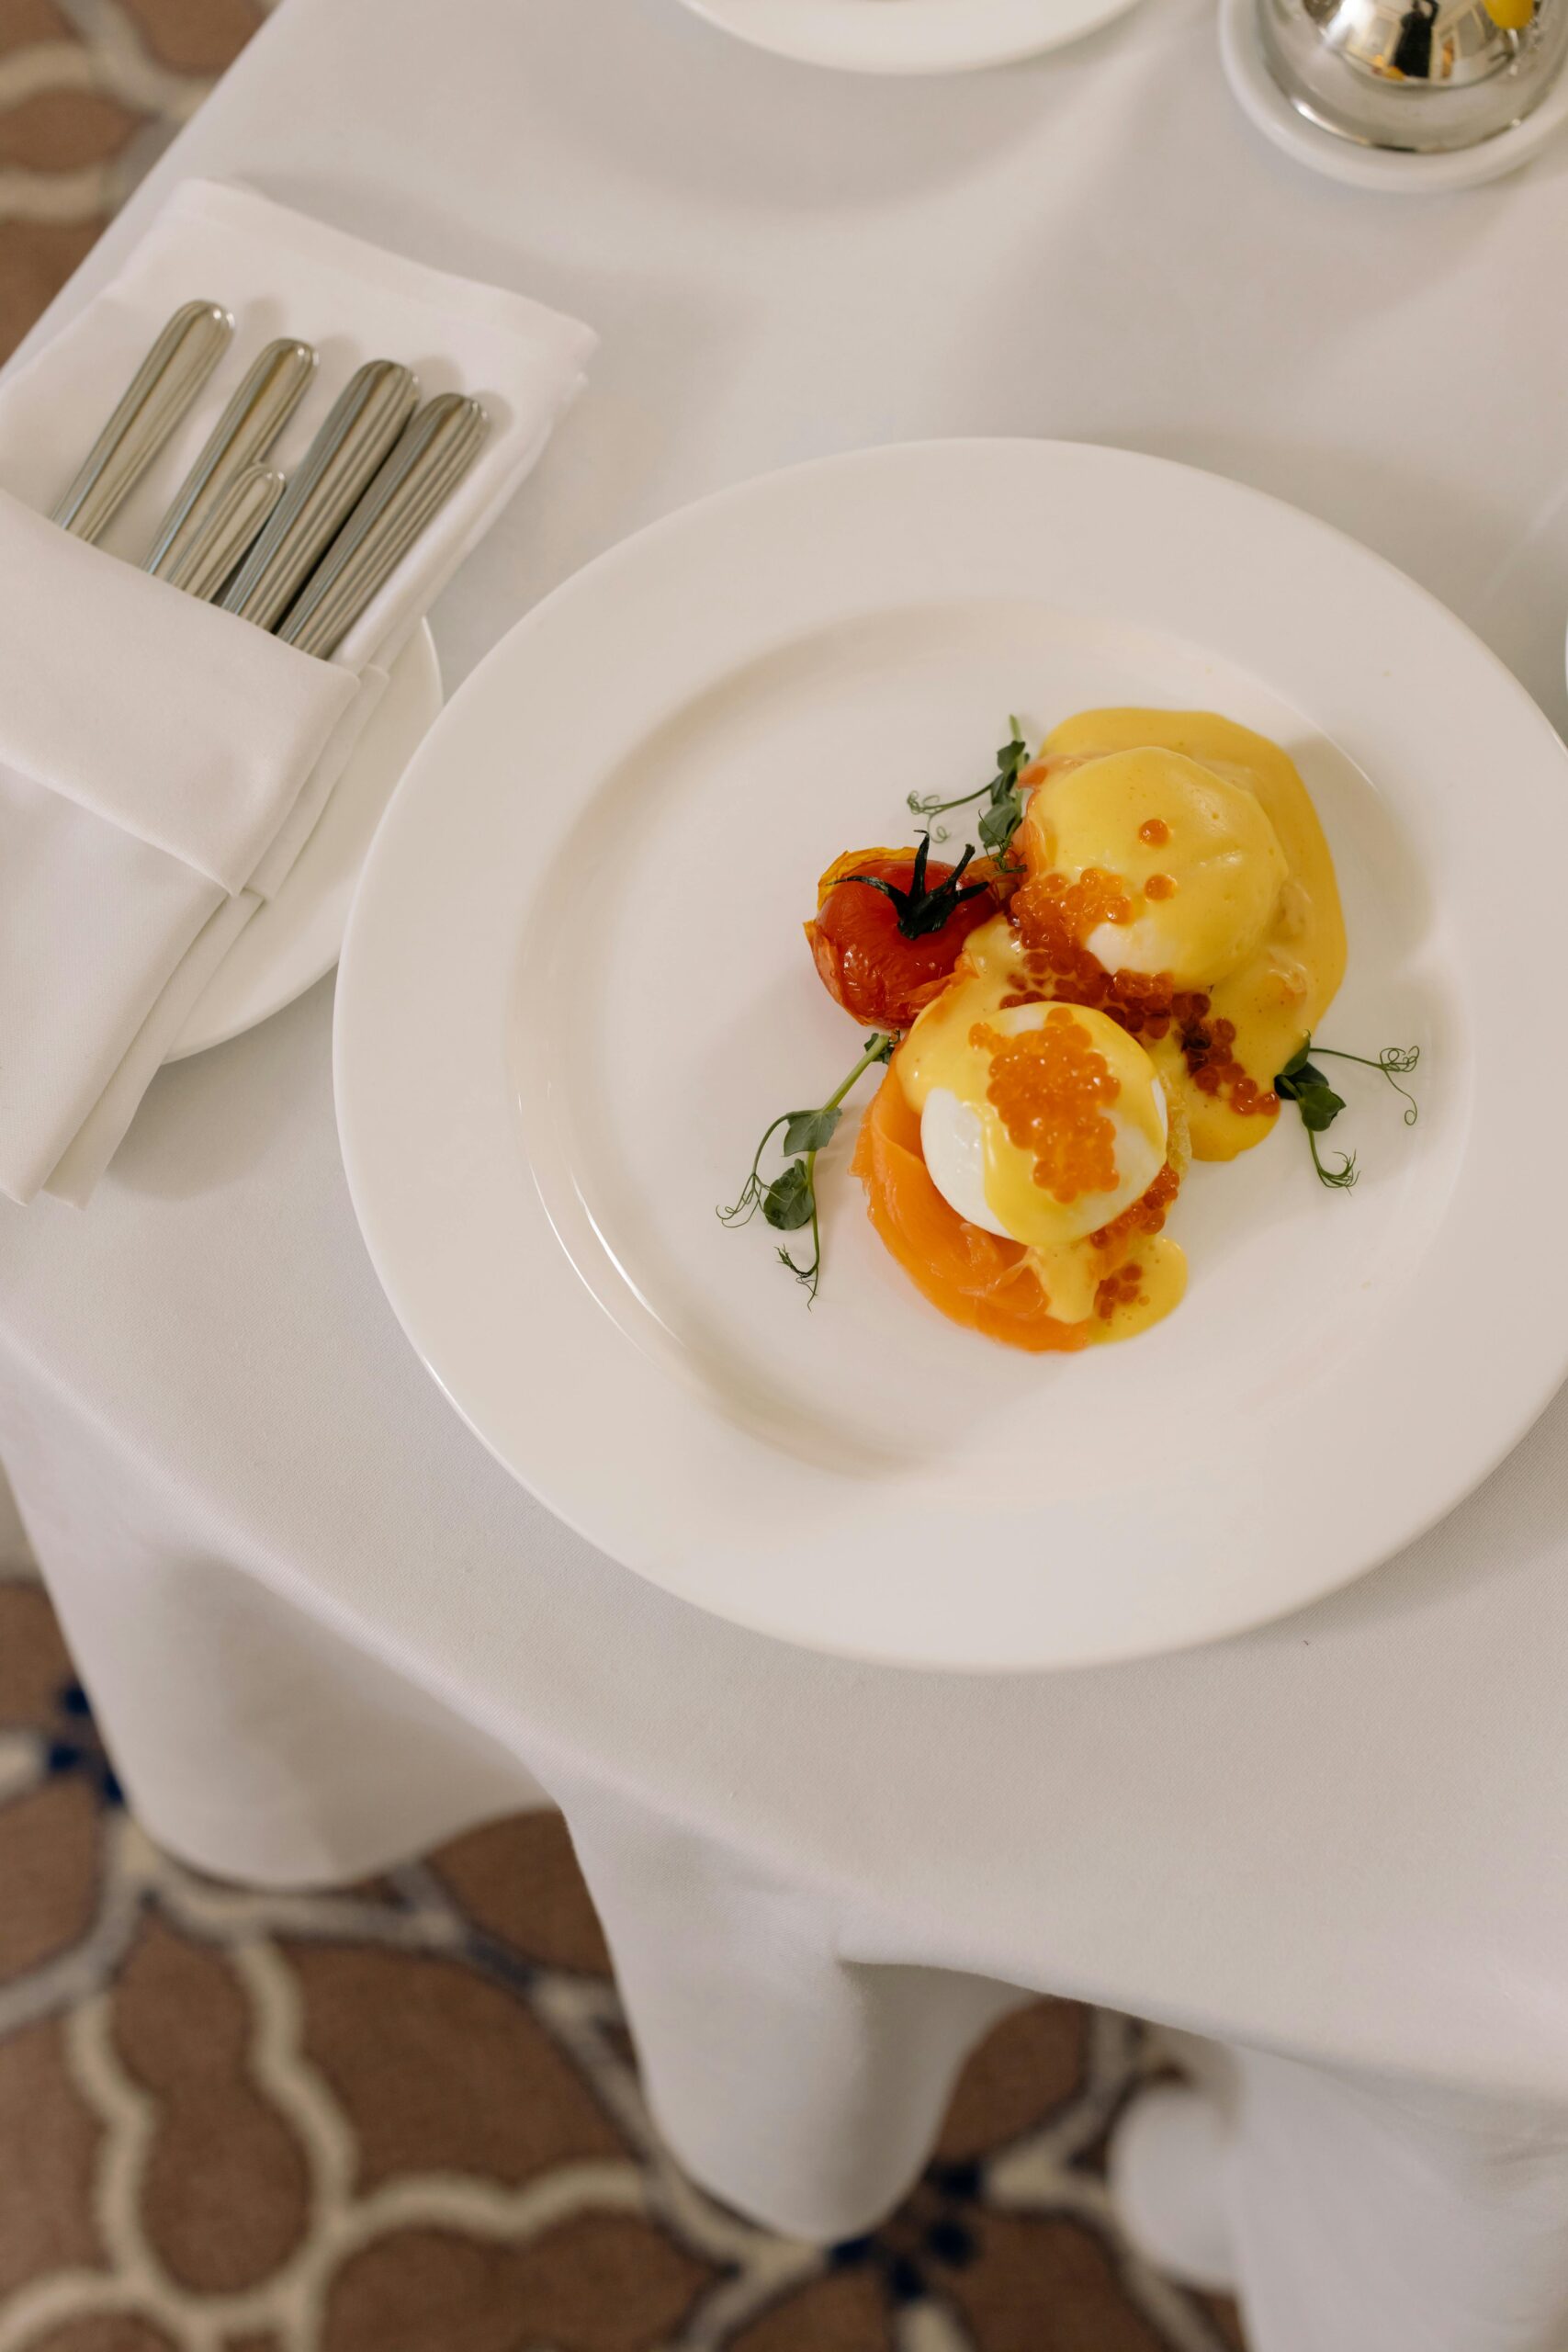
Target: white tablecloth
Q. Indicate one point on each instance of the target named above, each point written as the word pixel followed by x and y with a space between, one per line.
pixel 323 1627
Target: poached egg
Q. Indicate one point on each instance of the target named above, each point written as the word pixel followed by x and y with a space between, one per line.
pixel 1040 1122
pixel 1182 852
pixel 1199 861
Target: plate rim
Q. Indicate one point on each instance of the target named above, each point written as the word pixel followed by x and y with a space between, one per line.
pixel 698 517
pixel 909 37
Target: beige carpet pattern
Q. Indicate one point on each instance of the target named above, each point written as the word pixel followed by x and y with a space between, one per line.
pixel 90 92
pixel 405 2116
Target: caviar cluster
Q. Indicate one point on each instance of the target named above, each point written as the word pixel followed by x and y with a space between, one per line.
pixel 1048 1085
pixel 1120 1289
pixel 1147 1215
pixel 1053 917
pixel 1207 1048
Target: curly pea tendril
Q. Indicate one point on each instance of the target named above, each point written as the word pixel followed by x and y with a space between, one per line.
pixel 789 1201
pixel 1003 812
pixel 1303 1084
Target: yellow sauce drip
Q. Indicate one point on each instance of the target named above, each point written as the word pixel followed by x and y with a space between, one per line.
pixel 950 1048
pixel 1161 1285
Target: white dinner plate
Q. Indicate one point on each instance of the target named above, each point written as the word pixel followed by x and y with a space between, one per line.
pixel 908 36
pixel 574 991
pixel 288 944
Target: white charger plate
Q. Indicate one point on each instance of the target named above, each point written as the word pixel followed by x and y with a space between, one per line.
pixel 288 944
pixel 908 36
pixel 574 991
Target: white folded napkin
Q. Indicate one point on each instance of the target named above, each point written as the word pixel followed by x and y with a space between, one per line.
pixel 161 763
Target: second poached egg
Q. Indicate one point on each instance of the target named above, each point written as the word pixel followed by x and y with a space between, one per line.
pixel 1195 853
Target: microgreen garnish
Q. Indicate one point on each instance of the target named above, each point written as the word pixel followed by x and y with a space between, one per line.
pixel 1303 1084
pixel 1003 813
pixel 921 912
pixel 789 1201
pixel 1394 1062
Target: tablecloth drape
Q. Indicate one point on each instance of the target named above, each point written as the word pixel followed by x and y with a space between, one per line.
pixel 323 1627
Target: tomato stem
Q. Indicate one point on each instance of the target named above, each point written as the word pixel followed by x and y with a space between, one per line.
pixel 921 912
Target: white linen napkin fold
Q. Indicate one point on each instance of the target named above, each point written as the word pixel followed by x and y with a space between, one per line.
pixel 161 763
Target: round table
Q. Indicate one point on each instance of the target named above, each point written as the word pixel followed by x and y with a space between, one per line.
pixel 323 1628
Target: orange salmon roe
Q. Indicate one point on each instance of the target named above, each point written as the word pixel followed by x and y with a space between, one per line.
pixel 1053 917
pixel 1049 1085
pixel 1147 1214
pixel 1159 885
pixel 1154 830
pixel 1078 907
pixel 1120 1289
pixel 1215 1070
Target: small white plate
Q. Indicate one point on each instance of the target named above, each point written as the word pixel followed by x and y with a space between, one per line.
pixel 574 991
pixel 908 36
pixel 292 941
pixel 1377 168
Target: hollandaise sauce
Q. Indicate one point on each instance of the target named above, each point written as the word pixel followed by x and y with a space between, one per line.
pixel 1178 879
pixel 1174 938
pixel 1023 1159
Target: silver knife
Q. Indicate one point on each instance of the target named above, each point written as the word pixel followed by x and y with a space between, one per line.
pixel 366 420
pixel 272 390
pixel 435 451
pixel 153 402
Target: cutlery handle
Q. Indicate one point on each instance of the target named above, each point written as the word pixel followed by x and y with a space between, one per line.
pixel 272 390
pixel 153 402
pixel 211 553
pixel 429 461
pixel 366 420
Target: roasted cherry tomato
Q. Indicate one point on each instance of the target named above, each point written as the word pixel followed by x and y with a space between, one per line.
pixel 889 926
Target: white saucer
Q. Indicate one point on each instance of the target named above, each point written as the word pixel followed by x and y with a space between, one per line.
pixel 908 36
pixel 288 945
pixel 1265 105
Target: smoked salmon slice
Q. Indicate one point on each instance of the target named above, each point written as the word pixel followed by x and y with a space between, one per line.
pixel 976 1278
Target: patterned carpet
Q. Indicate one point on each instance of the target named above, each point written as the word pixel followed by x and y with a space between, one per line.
pixel 405 2116
pixel 90 92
